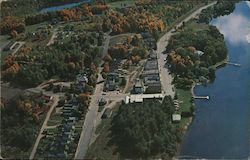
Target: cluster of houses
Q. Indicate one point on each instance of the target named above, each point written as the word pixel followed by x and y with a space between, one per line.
pixel 150 82
pixel 148 86
pixel 41 34
pixel 66 131
pixel 112 82
pixel 80 83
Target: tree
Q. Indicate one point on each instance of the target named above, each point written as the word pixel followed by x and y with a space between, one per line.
pixel 10 23
pixel 192 109
pixel 107 58
pixel 135 41
pixel 211 73
pixel 106 67
pixel 137 51
pixel 138 131
pixel 13 34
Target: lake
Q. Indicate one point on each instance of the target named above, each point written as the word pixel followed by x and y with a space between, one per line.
pixel 221 127
pixel 57 8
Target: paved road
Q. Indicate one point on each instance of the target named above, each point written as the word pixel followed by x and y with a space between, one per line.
pixel 91 119
pixel 99 119
pixel 33 152
pixel 88 126
pixel 53 37
pixel 166 78
pixel 107 38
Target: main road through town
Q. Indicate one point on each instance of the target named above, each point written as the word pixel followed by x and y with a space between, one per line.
pixel 91 118
pixel 166 78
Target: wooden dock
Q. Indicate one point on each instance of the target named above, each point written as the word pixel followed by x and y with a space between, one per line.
pixel 201 97
pixel 234 64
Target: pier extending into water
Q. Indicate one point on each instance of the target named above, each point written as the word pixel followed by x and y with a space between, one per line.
pixel 198 97
pixel 201 97
pixel 232 63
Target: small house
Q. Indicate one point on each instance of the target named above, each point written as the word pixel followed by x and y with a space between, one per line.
pixel 176 118
pixel 199 53
pixel 154 87
pixel 138 87
pixel 102 102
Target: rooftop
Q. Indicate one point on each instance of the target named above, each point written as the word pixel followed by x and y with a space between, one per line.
pixel 176 117
pixel 147 72
pixel 139 97
pixel 151 65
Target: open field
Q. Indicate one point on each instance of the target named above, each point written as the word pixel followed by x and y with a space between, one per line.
pixel 197 26
pixel 121 38
pixel 101 148
pixel 184 97
pixel 55 119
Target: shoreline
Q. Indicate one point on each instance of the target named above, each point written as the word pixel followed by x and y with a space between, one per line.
pixel 221 63
pixel 242 152
pixel 185 128
pixel 160 49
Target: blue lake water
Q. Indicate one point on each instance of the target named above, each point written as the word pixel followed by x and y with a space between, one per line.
pixel 221 127
pixel 57 8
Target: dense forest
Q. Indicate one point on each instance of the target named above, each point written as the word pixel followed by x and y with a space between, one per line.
pixel 145 16
pixel 21 117
pixel 192 53
pixel 221 8
pixel 138 129
pixel 62 60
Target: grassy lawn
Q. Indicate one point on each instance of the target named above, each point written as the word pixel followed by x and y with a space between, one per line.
pixel 197 26
pixel 121 4
pixel 55 119
pixel 33 28
pixel 4 54
pixel 184 97
pixel 4 39
pixel 79 123
pixel 121 38
pixel 88 25
pixel 101 148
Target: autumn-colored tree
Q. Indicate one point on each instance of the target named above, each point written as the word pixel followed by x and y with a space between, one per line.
pixel 13 34
pixel 192 49
pixel 12 71
pixel 119 51
pixel 98 8
pixel 132 21
pixel 107 58
pixel 8 61
pixel 72 66
pixel 94 68
pixel 10 23
pixel 84 96
pixel 25 50
pixel 70 14
pixel 106 67
pixel 135 59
